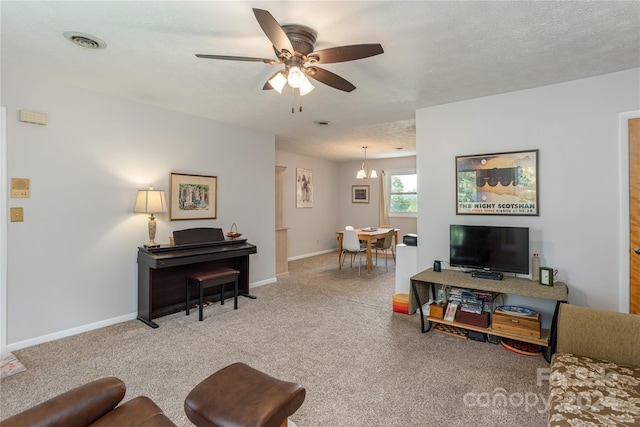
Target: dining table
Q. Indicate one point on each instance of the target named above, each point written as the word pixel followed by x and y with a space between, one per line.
pixel 368 235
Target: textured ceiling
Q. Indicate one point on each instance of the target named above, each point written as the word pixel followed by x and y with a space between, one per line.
pixel 435 53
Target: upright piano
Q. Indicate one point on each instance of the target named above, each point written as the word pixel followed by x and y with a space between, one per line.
pixel 162 270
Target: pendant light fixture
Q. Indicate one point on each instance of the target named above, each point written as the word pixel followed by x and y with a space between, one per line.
pixel 362 172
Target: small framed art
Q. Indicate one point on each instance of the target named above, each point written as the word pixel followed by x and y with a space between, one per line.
pixel 304 188
pixel 359 194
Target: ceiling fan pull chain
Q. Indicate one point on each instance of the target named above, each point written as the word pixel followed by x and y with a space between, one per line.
pixel 293 94
pixel 300 100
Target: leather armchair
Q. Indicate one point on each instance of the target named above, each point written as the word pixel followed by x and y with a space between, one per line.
pixel 95 404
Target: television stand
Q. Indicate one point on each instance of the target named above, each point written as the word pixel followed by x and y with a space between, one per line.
pixel 492 275
pixel 425 282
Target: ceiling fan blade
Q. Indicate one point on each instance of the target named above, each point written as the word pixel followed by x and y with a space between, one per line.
pixel 329 78
pixel 274 31
pixel 238 58
pixel 345 53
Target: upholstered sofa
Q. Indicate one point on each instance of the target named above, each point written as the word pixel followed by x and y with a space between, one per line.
pixel 595 374
pixel 95 404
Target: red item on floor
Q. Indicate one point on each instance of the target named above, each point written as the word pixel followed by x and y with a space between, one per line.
pixel 401 303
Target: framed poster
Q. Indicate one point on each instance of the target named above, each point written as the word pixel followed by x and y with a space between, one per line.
pixel 359 194
pixel 497 184
pixel 193 197
pixel 304 188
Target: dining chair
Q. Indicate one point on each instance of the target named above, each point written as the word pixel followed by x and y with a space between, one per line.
pixel 384 245
pixel 385 226
pixel 351 245
pixel 362 243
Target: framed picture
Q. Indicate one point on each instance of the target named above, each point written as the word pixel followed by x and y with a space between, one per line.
pixel 359 194
pixel 304 188
pixel 497 184
pixel 193 197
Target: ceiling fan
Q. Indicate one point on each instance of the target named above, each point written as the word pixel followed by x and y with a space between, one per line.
pixel 293 45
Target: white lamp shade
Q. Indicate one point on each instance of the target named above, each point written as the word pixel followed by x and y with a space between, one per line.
pixel 150 201
pixel 278 81
pixel 296 77
pixel 361 174
pixel 306 86
pixel 373 174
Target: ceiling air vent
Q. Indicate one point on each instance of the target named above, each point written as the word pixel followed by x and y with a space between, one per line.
pixel 85 40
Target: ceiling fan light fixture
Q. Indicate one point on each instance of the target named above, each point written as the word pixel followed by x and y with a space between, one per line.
pixel 306 87
pixel 278 81
pixel 296 77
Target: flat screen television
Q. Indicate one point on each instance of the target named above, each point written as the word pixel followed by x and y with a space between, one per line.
pixel 500 249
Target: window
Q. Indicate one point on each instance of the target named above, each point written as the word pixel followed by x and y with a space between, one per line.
pixel 403 194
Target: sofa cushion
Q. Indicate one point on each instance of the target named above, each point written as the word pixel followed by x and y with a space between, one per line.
pixel 137 412
pixel 586 391
pixel 77 407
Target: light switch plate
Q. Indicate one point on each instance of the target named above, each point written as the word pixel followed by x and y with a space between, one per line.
pixel 17 215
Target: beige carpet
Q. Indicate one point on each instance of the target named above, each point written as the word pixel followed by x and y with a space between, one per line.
pixel 332 331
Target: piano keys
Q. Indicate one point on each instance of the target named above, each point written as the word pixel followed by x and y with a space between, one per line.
pixel 162 270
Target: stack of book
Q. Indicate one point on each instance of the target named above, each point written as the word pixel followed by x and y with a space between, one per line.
pixel 401 303
pixel 469 301
pixel 472 301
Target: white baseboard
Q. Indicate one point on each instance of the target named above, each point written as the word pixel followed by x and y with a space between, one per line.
pixel 293 258
pixel 97 325
pixel 69 332
pixel 262 282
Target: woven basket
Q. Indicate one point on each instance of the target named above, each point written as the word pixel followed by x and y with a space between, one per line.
pixel 233 235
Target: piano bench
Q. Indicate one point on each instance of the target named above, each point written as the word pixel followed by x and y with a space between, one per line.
pixel 240 395
pixel 216 277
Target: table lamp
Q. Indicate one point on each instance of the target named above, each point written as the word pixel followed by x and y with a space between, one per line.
pixel 151 201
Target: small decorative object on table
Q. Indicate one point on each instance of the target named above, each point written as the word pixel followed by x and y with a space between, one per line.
pixel 515 310
pixel 437 309
pixel 233 235
pixel 546 276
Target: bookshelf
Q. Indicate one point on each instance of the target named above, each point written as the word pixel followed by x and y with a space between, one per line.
pixel 426 281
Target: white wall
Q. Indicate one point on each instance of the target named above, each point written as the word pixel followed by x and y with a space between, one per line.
pixel 72 262
pixel 311 230
pixel 575 127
